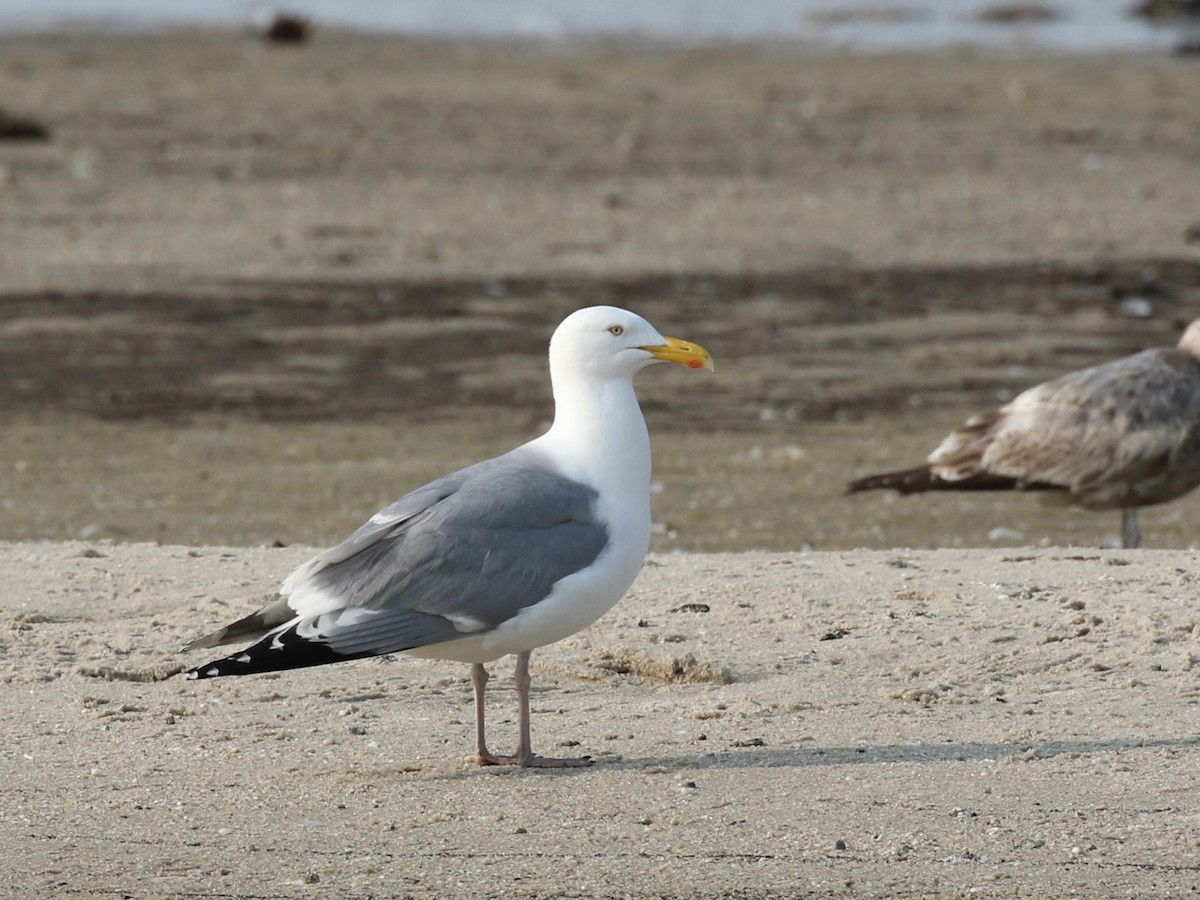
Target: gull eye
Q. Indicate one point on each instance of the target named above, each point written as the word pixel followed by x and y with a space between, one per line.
pixel 616 330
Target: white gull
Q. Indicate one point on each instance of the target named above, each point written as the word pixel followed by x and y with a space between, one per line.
pixel 502 557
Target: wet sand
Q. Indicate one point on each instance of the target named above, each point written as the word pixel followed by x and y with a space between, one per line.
pixel 250 294
pixel 253 292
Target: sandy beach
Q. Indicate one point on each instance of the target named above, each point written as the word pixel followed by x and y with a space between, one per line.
pixel 251 294
pixel 860 724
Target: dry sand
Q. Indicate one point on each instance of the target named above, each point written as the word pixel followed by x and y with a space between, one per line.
pixel 864 724
pixel 250 294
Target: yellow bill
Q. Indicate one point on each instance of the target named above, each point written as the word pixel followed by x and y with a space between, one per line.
pixel 686 354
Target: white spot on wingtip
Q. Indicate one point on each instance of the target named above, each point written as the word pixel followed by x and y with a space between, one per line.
pixel 243 659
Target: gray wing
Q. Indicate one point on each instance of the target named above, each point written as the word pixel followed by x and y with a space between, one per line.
pixel 1113 434
pixel 278 613
pixel 472 549
pixel 384 522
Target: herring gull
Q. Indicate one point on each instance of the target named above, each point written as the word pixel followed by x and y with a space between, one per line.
pixel 504 556
pixel 1121 435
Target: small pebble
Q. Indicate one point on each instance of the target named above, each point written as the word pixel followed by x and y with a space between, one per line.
pixel 1137 307
pixel 1000 533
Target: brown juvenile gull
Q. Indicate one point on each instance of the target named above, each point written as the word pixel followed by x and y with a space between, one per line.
pixel 502 557
pixel 1120 435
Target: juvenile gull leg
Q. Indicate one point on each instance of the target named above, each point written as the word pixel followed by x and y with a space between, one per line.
pixel 1131 535
pixel 524 755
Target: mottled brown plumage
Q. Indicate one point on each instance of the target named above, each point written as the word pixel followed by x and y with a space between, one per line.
pixel 1121 435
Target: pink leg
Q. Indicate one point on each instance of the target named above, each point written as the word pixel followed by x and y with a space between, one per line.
pixel 524 755
pixel 479 680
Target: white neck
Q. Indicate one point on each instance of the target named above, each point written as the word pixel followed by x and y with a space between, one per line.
pixel 598 427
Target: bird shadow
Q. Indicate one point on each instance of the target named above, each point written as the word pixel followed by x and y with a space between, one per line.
pixel 874 754
pixel 866 754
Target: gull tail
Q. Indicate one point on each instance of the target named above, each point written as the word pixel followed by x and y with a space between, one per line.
pixel 251 628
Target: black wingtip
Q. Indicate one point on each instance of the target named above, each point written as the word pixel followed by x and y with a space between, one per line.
pixel 208 670
pixel 274 653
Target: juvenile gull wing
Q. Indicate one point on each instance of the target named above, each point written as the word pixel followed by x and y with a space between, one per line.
pixel 1120 434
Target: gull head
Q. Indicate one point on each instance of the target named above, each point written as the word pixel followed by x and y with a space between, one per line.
pixel 608 342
